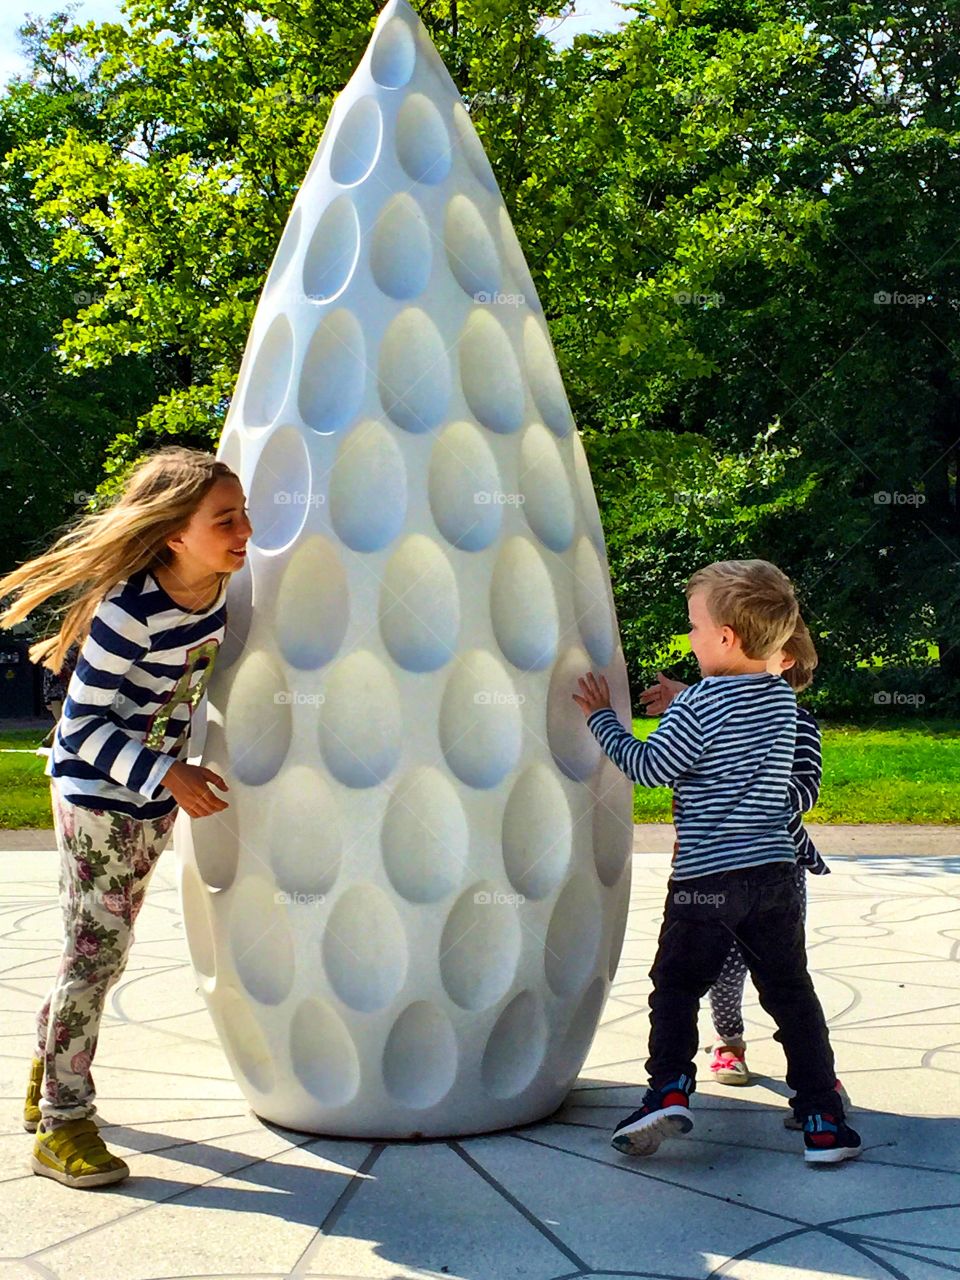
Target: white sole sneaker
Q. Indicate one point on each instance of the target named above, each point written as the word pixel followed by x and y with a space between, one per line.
pixel 644 1136
pixel 836 1155
pixel 105 1179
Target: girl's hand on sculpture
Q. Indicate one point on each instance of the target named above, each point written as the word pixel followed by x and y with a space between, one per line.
pixel 189 784
pixel 594 694
pixel 658 697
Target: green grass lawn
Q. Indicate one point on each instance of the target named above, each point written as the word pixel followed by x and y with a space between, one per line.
pixel 875 773
pixel 24 791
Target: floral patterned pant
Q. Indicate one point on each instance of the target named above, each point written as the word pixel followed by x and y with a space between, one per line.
pixel 106 860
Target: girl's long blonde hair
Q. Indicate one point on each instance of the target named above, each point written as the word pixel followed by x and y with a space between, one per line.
pixel 161 494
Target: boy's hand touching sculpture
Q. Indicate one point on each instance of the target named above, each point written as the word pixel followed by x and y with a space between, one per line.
pixel 594 694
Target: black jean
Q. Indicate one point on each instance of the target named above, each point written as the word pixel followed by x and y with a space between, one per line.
pixel 760 907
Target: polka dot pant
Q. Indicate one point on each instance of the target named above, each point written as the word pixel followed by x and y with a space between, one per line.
pixel 726 994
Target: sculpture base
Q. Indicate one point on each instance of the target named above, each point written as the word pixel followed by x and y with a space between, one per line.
pixel 375 1130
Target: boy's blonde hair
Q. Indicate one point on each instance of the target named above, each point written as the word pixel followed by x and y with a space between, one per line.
pixel 754 598
pixel 801 648
pixel 160 496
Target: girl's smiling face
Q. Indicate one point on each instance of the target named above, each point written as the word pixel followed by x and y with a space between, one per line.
pixel 215 538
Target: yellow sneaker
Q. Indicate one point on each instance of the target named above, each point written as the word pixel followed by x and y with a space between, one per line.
pixel 31 1106
pixel 74 1154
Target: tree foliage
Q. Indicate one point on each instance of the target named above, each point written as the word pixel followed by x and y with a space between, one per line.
pixel 740 214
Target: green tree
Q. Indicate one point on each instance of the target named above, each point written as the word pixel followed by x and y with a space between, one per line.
pixel 54 428
pixel 752 176
pixel 212 114
pixel 710 201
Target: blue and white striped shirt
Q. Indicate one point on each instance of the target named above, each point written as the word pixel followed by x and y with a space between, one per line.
pixel 142 671
pixel 804 789
pixel 726 746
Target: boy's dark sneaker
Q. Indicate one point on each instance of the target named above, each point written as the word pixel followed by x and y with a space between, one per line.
pixel 795 1120
pixel 665 1113
pixel 828 1140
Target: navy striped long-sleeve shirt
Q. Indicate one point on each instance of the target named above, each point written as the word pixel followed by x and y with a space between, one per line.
pixel 804 789
pixel 726 747
pixel 141 673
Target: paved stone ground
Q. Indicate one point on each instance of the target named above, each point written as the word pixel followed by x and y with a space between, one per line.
pixel 216 1193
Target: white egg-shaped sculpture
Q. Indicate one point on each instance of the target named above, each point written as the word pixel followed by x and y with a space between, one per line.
pixel 407 920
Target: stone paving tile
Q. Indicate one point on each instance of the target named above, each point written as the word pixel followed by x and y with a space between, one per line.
pixel 217 1193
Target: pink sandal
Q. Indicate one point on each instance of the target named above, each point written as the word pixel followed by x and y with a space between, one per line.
pixel 728 1065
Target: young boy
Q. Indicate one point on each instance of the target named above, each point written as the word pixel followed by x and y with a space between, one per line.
pixel 726 746
pixel 796 662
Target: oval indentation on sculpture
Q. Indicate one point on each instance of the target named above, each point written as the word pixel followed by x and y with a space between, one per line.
pixel 239 617
pixel 592 603
pixel 361 725
pixel 544 376
pixel 368 488
pixel 394 54
pixel 285 251
pixel 537 832
pixel 313 605
pixel 258 722
pixel 270 375
pixel 574 747
pixel 330 129
pixel 516 262
pixel 425 838
pixel 547 498
pixel 419 605
pixel 423 144
pixel 573 938
pixel 260 941
pixel 471 252
pixel 588 498
pixel 431 60
pixel 199 926
pixel 481 726
pixel 357 143
pixel 515 1048
pixel 322 147
pixel 583 1026
pixel 490 374
pixel 231 451
pixel 322 1054
pixel 523 607
pixel 364 949
pixel 401 252
pixel 464 488
pixel 215 755
pixel 279 490
pixel 619 683
pixel 331 384
pixel 216 845
pixel 480 947
pixel 244 1038
pixel 414 372
pixel 420 1056
pixel 473 147
pixel 333 251
pixel 612 822
pixel 619 932
pixel 303 831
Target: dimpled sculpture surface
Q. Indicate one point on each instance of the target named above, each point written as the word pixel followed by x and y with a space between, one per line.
pixel 407 921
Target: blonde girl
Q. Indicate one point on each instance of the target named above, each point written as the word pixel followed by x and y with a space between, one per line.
pixel 145 583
